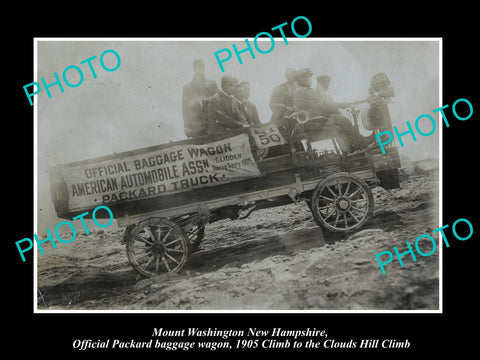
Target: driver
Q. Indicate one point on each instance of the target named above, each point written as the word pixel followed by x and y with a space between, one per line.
pixel 319 103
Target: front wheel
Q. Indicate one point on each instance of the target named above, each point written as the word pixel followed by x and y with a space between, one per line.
pixel 157 245
pixel 342 203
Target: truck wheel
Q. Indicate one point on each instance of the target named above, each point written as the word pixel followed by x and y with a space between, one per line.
pixel 342 203
pixel 155 246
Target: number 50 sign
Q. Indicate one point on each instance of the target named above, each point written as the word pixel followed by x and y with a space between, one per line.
pixel 266 136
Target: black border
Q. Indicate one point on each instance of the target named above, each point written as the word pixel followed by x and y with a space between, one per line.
pixel 430 333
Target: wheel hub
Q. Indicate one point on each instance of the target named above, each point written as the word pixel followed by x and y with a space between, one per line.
pixel 342 203
pixel 158 249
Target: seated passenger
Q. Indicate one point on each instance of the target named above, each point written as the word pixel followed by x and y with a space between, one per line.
pixel 223 109
pixel 249 110
pixel 195 94
pixel 282 98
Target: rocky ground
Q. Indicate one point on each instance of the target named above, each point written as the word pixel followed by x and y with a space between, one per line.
pixel 277 259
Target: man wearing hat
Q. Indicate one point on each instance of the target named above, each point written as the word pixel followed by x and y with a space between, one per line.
pixel 281 100
pixel 223 109
pixel 319 103
pixel 248 109
pixel 195 95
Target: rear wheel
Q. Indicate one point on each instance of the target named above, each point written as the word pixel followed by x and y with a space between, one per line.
pixel 156 245
pixel 342 203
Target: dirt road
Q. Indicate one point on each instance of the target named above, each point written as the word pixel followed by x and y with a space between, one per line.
pixel 278 259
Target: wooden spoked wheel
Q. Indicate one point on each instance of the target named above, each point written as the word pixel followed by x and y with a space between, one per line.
pixel 342 203
pixel 155 246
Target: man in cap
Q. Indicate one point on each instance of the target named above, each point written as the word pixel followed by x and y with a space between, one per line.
pixel 319 103
pixel 305 97
pixel 249 110
pixel 223 109
pixel 281 100
pixel 195 95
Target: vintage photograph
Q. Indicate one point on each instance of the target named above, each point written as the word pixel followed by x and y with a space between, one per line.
pixel 270 186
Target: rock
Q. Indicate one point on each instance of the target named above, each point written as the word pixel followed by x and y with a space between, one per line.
pixel 157 286
pixel 316 301
pixel 412 289
pixel 356 306
pixel 143 284
pixel 402 194
pixel 426 165
pixel 407 164
pixel 362 261
pixel 365 233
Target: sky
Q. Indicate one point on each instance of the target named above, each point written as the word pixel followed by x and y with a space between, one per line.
pixel 139 104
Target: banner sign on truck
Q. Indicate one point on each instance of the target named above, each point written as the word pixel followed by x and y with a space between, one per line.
pixel 161 172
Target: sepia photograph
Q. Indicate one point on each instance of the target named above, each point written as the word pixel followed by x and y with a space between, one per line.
pixel 169 178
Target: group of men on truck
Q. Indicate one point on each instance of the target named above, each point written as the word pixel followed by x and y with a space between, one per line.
pixel 208 110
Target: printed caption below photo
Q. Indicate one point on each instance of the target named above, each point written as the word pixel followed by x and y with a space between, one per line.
pixel 232 339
